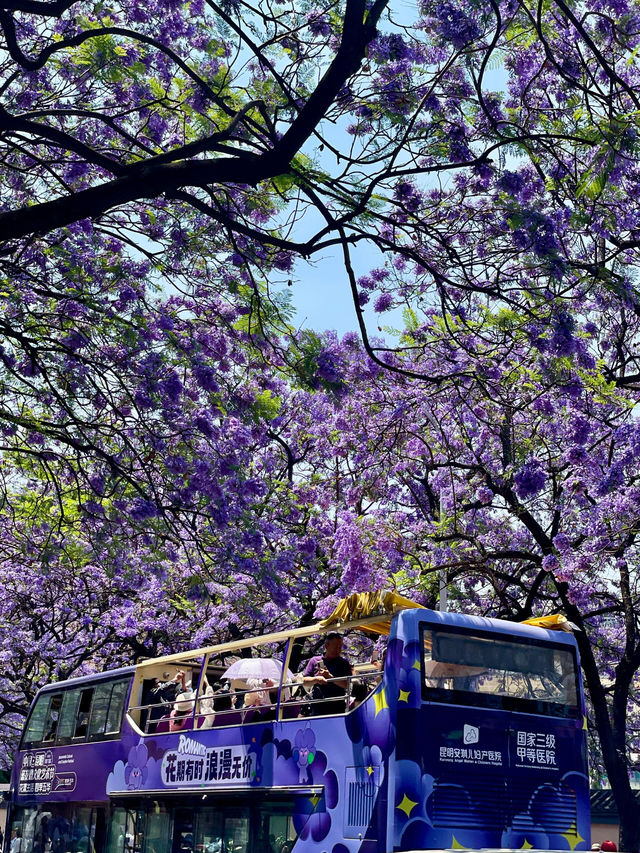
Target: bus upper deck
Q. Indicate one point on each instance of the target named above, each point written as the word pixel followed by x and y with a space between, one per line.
pixel 472 735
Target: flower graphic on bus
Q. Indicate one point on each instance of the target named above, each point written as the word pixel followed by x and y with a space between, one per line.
pixel 136 770
pixel 304 754
pixel 317 825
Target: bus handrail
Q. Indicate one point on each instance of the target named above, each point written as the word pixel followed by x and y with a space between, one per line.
pixel 278 706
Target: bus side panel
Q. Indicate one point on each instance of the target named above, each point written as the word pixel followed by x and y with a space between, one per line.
pixel 466 777
pixel 341 762
pixel 66 773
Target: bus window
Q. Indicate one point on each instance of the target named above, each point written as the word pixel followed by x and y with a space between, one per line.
pixel 52 718
pixel 116 707
pixel 117 828
pixel 276 833
pixel 158 834
pixel 236 831
pixel 107 708
pixel 83 830
pixel 82 718
pixel 59 828
pixel 126 831
pixel 99 709
pixel 34 731
pixel 209 832
pixel 463 668
pixel 68 712
pixel 183 831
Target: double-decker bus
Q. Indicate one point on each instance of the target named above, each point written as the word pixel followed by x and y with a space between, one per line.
pixel 472 736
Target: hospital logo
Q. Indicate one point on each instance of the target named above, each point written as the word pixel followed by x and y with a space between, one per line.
pixel 471 734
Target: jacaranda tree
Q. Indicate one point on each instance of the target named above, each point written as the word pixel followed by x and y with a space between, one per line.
pixel 167 168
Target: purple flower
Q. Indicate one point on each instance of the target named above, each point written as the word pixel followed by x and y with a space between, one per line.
pixel 172 387
pixel 75 340
pixel 455 26
pixel 512 183
pixel 407 195
pixel 550 563
pixel 328 368
pixel 562 543
pixel 97 483
pixel 484 495
pixel 142 509
pixel 613 480
pixel 530 479
pixel 562 341
pixel 202 423
pixel 318 24
pixel 205 377
pixel 283 261
pixel 383 302
pixel 127 294
pixel 581 430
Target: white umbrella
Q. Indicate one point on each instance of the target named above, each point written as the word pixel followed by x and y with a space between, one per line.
pixel 259 668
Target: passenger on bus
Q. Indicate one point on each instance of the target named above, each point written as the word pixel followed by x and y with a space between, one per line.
pixel 258 701
pixel 16 841
pixel 206 711
pixel 167 690
pixel 224 703
pixel 359 692
pixel 182 707
pixel 321 668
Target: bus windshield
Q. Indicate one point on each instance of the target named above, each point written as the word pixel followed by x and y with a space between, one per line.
pixel 490 671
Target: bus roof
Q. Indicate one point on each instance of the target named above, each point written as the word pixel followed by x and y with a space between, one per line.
pixel 106 675
pixel 554 633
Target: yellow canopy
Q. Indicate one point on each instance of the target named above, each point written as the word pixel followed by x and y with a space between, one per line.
pixel 555 622
pixel 360 605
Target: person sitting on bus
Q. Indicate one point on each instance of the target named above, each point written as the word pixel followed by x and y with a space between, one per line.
pixel 257 700
pixel 329 675
pixel 224 704
pixel 359 692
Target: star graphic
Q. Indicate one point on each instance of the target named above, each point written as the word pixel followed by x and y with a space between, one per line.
pixel 455 844
pixel 573 837
pixel 407 805
pixel 404 696
pixel 416 664
pixel 380 700
pixel 369 770
pixel 315 799
pixel 526 845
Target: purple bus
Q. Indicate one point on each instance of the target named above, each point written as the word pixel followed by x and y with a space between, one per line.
pixel 473 735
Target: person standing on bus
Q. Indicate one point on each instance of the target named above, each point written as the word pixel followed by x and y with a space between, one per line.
pixel 165 693
pixel 330 665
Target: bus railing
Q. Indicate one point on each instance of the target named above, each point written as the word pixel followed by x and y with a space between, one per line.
pixel 288 701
